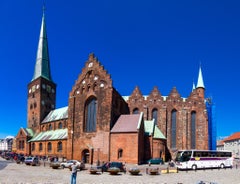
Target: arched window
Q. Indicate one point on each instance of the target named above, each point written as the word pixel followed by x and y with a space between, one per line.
pixel 40 146
pixel 59 147
pixel 173 128
pixel 120 153
pixel 60 125
pixel 33 146
pixel 49 147
pixel 193 130
pixel 91 115
pixel 155 115
pixel 21 145
pixel 135 111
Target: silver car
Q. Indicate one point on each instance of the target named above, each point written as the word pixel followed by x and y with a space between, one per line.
pixel 69 163
pixel 31 161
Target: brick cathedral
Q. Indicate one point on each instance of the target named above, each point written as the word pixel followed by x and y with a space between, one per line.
pixel 99 124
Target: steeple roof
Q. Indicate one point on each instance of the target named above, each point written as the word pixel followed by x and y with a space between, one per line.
pixel 200 83
pixel 42 66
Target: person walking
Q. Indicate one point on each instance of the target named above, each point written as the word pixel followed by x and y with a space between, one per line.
pixel 74 173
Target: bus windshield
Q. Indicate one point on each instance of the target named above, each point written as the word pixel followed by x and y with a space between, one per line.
pixel 183 156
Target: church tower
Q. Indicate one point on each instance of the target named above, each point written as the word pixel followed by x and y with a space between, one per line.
pixel 41 89
pixel 200 85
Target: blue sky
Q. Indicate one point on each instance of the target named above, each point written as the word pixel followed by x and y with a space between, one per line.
pixel 143 43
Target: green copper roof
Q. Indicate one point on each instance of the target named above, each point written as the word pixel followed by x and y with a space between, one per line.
pixel 28 131
pixel 58 134
pixel 148 127
pixel 158 134
pixel 42 66
pixel 56 114
pixel 151 129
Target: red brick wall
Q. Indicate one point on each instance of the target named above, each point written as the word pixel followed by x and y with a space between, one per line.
pixel 128 142
pixel 184 107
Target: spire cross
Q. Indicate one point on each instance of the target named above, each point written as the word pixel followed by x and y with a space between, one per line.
pixel 44 8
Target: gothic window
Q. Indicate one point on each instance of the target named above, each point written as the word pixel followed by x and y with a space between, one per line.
pixel 135 111
pixel 120 153
pixel 49 147
pixel 173 128
pixel 90 115
pixel 60 125
pixel 193 130
pixel 59 147
pixel 40 146
pixel 155 115
pixel 33 146
pixel 22 145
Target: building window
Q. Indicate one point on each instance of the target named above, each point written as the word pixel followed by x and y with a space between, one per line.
pixel 49 147
pixel 50 127
pixel 40 146
pixel 91 115
pixel 21 145
pixel 33 146
pixel 193 130
pixel 135 111
pixel 155 115
pixel 60 125
pixel 173 128
pixel 59 147
pixel 120 153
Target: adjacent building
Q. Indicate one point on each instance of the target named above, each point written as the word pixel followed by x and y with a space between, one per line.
pixel 231 143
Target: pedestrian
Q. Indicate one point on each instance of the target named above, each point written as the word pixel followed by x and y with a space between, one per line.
pixel 74 173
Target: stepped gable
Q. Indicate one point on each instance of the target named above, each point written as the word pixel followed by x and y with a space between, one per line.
pixel 174 97
pixel 155 97
pixel 93 75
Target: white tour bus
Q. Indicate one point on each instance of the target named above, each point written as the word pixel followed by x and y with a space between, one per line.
pixel 200 159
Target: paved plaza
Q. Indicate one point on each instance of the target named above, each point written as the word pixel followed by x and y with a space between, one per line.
pixel 12 173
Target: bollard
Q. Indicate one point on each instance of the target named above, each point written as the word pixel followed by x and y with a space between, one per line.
pixel 146 170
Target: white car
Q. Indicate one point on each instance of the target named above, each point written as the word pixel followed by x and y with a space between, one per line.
pixel 68 163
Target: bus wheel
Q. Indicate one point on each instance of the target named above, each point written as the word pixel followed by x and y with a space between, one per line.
pixel 222 166
pixel 194 167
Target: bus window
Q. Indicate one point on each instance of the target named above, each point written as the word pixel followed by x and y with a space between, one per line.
pixel 186 156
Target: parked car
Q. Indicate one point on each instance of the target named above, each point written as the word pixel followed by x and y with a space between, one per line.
pixel 155 161
pixel 108 165
pixel 55 164
pixel 32 161
pixel 68 163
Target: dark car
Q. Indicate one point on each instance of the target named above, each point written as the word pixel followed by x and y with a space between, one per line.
pixel 155 161
pixel 31 161
pixel 108 165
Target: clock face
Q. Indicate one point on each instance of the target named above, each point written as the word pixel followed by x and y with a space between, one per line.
pixel 33 88
pixel 43 86
pixel 90 64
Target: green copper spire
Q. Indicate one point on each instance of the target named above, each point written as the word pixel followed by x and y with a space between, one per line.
pixel 42 66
